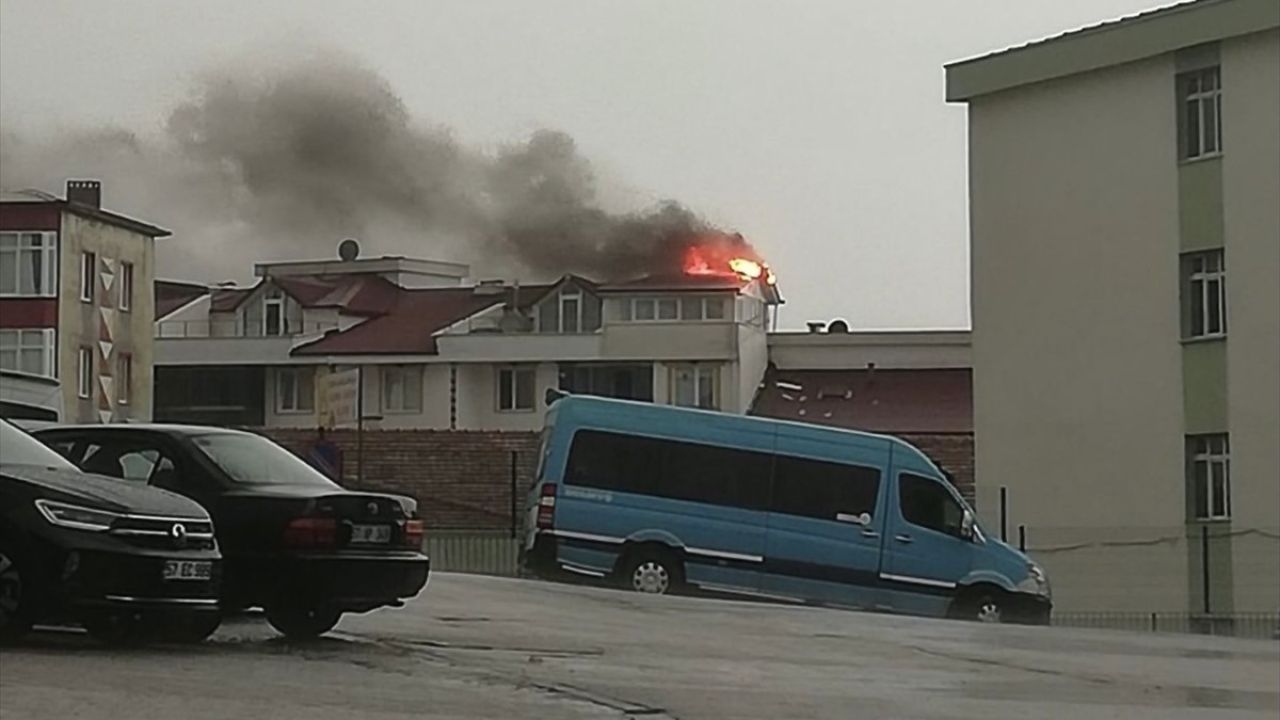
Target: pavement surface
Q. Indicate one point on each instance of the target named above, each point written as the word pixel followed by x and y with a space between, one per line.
pixel 476 647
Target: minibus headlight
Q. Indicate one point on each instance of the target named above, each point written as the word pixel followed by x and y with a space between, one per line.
pixel 1036 582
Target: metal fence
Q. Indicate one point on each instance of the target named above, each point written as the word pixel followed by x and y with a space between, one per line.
pixel 482 552
pixel 1248 625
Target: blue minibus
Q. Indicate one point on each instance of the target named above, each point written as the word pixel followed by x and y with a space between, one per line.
pixel 660 498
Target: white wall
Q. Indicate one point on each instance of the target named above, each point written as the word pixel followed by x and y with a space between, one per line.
pixel 1251 186
pixel 670 341
pixel 888 350
pixel 753 359
pixel 1077 364
pixel 478 398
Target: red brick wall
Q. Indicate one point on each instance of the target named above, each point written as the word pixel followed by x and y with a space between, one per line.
pixel 954 452
pixel 461 479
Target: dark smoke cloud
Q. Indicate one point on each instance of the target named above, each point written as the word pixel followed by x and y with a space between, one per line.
pixel 284 165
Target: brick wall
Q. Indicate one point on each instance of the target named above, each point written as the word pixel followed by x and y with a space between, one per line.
pixel 461 479
pixel 953 451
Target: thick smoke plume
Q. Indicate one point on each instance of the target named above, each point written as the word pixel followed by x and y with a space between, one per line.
pixel 284 165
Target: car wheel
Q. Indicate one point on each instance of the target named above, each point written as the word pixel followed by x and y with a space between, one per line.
pixel 302 623
pixel 653 573
pixel 15 597
pixel 192 627
pixel 982 606
pixel 115 628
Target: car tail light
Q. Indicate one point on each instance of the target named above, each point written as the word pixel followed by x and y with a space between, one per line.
pixel 413 533
pixel 311 532
pixel 547 507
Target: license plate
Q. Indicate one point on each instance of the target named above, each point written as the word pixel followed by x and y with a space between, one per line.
pixel 187 569
pixel 371 534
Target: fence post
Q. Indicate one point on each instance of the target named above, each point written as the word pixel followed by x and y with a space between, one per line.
pixel 515 513
pixel 1022 538
pixel 1204 560
pixel 1154 622
pixel 1004 513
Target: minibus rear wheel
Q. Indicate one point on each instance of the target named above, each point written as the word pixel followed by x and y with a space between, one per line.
pixel 652 571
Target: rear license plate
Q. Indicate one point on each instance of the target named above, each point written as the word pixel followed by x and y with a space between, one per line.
pixel 371 534
pixel 187 569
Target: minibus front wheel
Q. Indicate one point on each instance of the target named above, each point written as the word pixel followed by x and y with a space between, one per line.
pixel 651 570
pixel 982 604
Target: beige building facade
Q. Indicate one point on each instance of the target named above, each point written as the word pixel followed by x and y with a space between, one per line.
pixel 1125 225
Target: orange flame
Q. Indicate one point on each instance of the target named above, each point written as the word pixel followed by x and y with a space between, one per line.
pixel 712 260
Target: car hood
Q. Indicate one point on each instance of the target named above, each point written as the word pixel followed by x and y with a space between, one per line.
pixel 105 493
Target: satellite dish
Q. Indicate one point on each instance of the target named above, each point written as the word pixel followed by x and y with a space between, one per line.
pixel 838 327
pixel 348 250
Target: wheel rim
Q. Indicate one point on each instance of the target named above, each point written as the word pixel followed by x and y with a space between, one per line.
pixel 651 577
pixel 988 611
pixel 10 589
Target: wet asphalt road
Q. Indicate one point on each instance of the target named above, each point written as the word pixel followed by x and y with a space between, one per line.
pixel 474 647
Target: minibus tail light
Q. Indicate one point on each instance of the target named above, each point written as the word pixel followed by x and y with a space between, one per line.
pixel 547 507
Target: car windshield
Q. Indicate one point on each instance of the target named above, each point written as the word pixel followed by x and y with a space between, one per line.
pixel 19 448
pixel 255 460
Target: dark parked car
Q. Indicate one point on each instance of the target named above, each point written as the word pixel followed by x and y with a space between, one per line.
pixel 112 556
pixel 295 543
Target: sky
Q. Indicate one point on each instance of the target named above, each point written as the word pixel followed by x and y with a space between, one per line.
pixel 817 129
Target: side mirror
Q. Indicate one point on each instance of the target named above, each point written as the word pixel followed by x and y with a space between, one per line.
pixel 966 525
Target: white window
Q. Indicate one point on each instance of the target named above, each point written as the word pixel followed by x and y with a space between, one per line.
pixel 515 389
pixel 29 263
pixel 29 351
pixel 295 390
pixel 273 320
pixel 714 308
pixel 702 308
pixel 88 276
pixel 124 378
pixel 402 388
pixel 1205 288
pixel 84 373
pixel 644 309
pixel 126 286
pixel 570 311
pixel 696 385
pixel 1209 457
pixel 668 309
pixel 1202 113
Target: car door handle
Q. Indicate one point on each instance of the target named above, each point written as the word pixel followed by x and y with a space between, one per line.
pixel 870 534
pixel 904 538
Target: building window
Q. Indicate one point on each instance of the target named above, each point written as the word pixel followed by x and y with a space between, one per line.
pixel 570 311
pixel 295 390
pixel 1201 93
pixel 515 389
pixel 696 385
pixel 628 382
pixel 88 276
pixel 29 351
pixel 402 388
pixel 126 286
pixel 29 263
pixel 124 378
pixel 84 373
pixel 273 320
pixel 644 309
pixel 1204 290
pixel 1209 476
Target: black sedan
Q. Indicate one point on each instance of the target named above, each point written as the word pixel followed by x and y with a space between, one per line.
pixel 120 559
pixel 295 543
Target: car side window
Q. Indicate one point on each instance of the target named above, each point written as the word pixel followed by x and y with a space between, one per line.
pixel 927 503
pixel 137 465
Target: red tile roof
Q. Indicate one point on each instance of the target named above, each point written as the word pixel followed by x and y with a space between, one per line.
pixel 171 295
pixel 228 299
pixel 887 401
pixel 408 325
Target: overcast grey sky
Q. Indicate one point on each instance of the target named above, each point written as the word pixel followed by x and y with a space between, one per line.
pixel 816 128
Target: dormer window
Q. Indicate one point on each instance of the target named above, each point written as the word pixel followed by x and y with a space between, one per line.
pixel 686 309
pixel 569 311
pixel 273 318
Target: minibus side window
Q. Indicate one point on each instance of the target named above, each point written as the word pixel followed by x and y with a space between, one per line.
pixel 929 504
pixel 817 489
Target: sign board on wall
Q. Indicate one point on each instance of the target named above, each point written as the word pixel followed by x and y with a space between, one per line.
pixel 341 398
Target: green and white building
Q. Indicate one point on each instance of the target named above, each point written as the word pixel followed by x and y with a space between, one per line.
pixel 1124 189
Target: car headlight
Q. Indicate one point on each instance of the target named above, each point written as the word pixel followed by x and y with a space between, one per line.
pixel 1036 581
pixel 76 517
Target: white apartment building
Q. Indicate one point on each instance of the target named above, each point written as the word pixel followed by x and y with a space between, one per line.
pixel 1124 186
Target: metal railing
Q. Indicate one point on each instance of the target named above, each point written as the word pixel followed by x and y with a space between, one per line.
pixel 1247 625
pixel 236 329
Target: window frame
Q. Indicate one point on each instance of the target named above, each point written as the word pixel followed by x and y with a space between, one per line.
pixel 697 369
pixel 84 373
pixel 124 378
pixel 88 276
pixel 1207 103
pixel 508 377
pixel 32 242
pixel 1197 285
pixel 274 298
pixel 1212 451
pixel 296 408
pixel 47 344
pixel 563 298
pixel 126 286
pixel 942 486
pixel 402 373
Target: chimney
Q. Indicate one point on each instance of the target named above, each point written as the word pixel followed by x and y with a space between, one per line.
pixel 85 192
pixel 816 327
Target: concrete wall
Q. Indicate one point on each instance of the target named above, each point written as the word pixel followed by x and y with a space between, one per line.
pixel 1077 373
pixel 753 359
pixel 80 324
pixel 478 398
pixel 888 350
pixel 1251 186
pixel 673 340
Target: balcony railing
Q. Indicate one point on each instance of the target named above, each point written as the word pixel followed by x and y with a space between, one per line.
pixel 235 329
